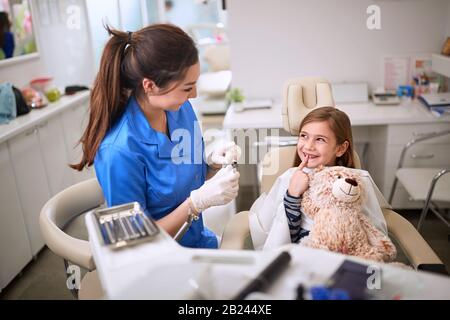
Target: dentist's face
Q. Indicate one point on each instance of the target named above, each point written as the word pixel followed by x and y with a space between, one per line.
pixel 317 144
pixel 186 89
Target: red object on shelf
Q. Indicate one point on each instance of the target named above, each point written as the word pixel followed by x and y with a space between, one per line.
pixel 41 84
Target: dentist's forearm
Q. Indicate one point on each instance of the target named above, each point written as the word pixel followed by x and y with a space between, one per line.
pixel 172 222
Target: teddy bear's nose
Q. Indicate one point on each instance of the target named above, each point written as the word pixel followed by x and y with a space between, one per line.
pixel 351 181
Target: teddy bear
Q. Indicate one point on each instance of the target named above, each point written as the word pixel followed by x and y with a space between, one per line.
pixel 334 201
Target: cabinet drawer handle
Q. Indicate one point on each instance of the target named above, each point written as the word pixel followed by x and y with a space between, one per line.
pixel 78 106
pixel 425 156
pixel 42 125
pixel 421 134
pixel 29 133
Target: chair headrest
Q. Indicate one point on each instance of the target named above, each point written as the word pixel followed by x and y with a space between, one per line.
pixel 300 96
pixel 218 57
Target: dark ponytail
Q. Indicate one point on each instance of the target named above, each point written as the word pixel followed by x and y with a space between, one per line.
pixel 160 52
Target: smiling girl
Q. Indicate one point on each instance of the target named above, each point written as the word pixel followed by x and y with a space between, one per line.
pixel 325 139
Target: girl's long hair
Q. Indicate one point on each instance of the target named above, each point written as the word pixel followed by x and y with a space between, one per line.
pixel 160 52
pixel 340 125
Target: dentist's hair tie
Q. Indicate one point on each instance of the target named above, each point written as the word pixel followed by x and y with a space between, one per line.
pixel 128 43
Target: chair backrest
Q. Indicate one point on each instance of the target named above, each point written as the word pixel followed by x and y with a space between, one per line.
pixel 300 96
pixel 218 57
pixel 60 210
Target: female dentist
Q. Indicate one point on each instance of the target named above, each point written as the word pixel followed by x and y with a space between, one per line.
pixel 143 136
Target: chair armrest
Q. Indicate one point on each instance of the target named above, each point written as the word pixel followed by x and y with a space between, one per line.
pixel 60 210
pixel 416 249
pixel 236 233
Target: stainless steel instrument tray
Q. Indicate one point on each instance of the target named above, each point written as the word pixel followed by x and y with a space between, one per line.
pixel 124 225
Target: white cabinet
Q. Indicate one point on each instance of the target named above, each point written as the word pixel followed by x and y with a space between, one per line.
pixel 32 182
pixel 34 157
pixel 74 122
pixel 53 149
pixel 15 251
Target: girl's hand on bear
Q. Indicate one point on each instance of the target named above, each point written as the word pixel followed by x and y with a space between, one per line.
pixel 299 181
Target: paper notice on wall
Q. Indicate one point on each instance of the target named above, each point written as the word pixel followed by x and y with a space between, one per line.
pixel 396 71
pixel 421 65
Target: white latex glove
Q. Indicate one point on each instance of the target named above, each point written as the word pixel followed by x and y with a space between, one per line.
pixel 224 154
pixel 219 190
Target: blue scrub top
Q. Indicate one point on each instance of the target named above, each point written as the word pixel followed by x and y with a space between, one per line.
pixel 137 163
pixel 9 45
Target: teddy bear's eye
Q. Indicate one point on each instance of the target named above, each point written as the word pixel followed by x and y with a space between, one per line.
pixel 338 176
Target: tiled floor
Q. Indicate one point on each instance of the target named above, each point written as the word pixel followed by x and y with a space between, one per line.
pixel 45 277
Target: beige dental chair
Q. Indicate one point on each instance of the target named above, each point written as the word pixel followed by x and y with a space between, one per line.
pixel 56 214
pixel 299 97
